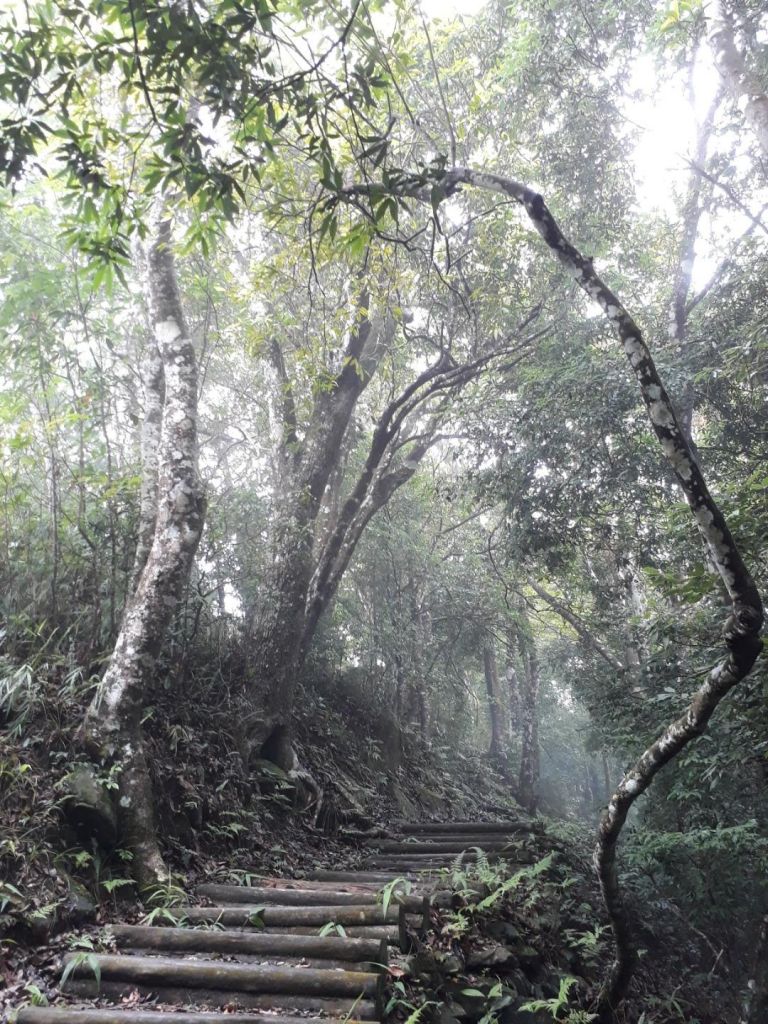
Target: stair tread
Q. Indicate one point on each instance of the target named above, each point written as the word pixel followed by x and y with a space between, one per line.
pixel 257 975
pixel 105 1015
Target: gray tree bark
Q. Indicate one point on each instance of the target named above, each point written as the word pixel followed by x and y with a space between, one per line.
pixel 679 306
pixel 304 579
pixel 113 722
pixel 758 1003
pixel 153 378
pixel 528 784
pixel 578 625
pixel 499 745
pixel 305 469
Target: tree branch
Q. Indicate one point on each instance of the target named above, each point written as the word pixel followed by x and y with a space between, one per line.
pixel 742 628
pixel 287 401
pixel 578 625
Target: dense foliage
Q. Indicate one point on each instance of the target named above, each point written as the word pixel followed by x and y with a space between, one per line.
pixel 440 539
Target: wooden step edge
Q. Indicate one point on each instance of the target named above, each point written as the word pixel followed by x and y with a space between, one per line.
pixel 235 895
pixel 243 940
pixel 315 885
pixel 360 1009
pixel 373 931
pixel 225 894
pixel 475 827
pixel 131 1015
pixel 380 878
pixel 267 915
pixel 457 846
pixel 298 963
pixel 377 962
pixel 252 978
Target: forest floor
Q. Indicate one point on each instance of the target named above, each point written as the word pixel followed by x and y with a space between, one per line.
pixel 59 889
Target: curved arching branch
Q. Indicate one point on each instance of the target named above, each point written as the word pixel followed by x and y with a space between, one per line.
pixel 741 631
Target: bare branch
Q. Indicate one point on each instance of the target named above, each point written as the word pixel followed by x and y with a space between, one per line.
pixel 573 620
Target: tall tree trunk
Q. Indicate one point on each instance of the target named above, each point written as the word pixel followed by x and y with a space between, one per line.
pixel 633 604
pixel 513 690
pixel 305 466
pixel 693 208
pixel 419 640
pixel 276 647
pixel 498 748
pixel 113 723
pixel 528 785
pixel 607 790
pixel 153 379
pixel 304 580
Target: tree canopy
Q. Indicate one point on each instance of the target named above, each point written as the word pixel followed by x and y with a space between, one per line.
pixel 383 381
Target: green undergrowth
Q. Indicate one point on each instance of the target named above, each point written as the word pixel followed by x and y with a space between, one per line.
pixel 215 819
pixel 526 941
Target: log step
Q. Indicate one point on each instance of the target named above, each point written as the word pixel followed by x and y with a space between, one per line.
pixel 362 1009
pixel 423 861
pixel 473 827
pixel 252 943
pixel 258 915
pixel 127 1015
pixel 251 978
pixel 372 931
pixel 379 878
pixel 226 895
pixel 281 964
pixel 312 884
pixel 452 846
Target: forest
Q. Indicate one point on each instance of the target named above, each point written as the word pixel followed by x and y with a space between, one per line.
pixel 383 511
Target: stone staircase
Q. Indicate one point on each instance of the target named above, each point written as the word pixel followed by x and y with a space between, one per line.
pixel 280 951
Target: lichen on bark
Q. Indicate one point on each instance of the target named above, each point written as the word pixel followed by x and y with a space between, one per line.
pixel 113 723
pixel 741 632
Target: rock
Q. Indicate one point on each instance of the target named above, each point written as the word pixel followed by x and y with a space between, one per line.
pixel 41 926
pixel 505 932
pixel 451 1011
pixel 472 1004
pixel 550 984
pixel 452 964
pixel 405 807
pixel 88 806
pixel 488 957
pixel 517 979
pixel 429 799
pixel 79 909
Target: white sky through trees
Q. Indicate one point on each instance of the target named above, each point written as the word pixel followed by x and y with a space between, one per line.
pixel 666 127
